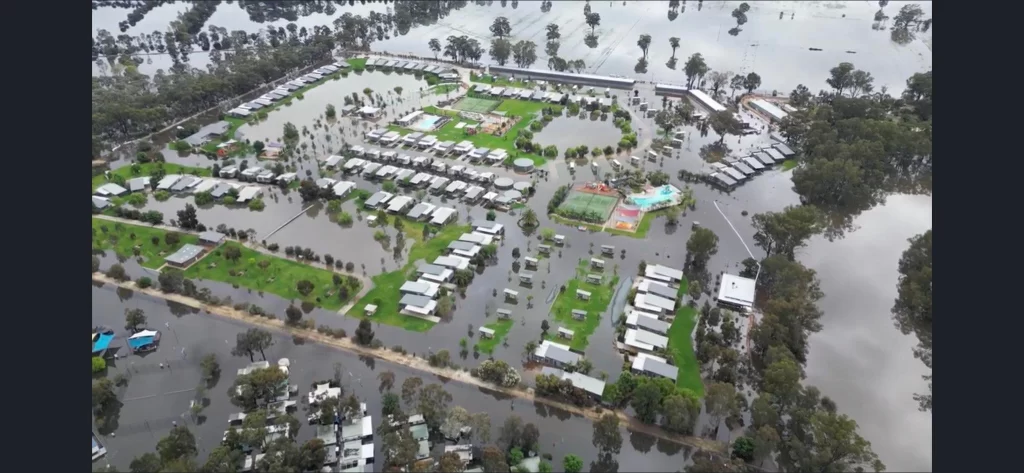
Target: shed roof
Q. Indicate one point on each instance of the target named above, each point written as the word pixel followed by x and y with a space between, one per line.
pixel 184 254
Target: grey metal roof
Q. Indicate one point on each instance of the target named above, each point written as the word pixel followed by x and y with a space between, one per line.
pixel 200 137
pixel 376 198
pixel 100 202
pixel 651 323
pixel 660 290
pixel 434 269
pixel 561 355
pixel 183 183
pixel 138 183
pixel 185 253
pixel 742 167
pixel 461 245
pixel 658 367
pixel 414 300
pixel 211 236
pixel 417 210
pixel 784 149
pixel 221 189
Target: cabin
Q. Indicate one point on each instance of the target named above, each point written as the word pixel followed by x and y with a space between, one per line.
pixel 649 286
pixel 511 295
pixel 400 204
pixel 531 263
pixel 463 147
pixel 655 366
pixel 555 354
pixel 412 138
pixel 378 199
pixel 427 142
pixel 663 273
pixel 332 161
pixel 593 278
pixel 433 272
pixel 565 333
pixel 439 184
pixel 526 278
pixel 486 332
pixel 478 154
pixel 642 341
pixel 544 249
pixel 452 262
pixel 639 321
pixel 654 304
pixel 504 314
pixel 578 314
pixel 582 295
pixel 608 250
pixel 560 240
pixel 592 386
pixel 415 305
pixel 463 248
pixel 596 263
pixel 443 216
pixel 371 169
pixel 388 156
pixel 420 288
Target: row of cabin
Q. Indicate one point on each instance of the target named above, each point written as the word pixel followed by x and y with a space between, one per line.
pixel 733 171
pixel 430 143
pixel 385 164
pixel 409 66
pixel 652 310
pixel 286 89
pixel 408 206
pixel 536 95
pixel 174 183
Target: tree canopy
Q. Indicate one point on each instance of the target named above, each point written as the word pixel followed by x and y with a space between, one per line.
pixel 912 311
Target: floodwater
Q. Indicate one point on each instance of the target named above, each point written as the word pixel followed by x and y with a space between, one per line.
pixel 859 359
pixel 157 396
pixel 565 132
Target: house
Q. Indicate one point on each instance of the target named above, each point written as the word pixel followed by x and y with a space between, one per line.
pixel 140 184
pixel 656 366
pixel 756 165
pixel 342 188
pixel 325 182
pixel 593 278
pixel 239 112
pixel 649 286
pixel 433 272
pixel 250 173
pixel 462 248
pixel 208 133
pixel 378 199
pixel 463 147
pixel 785 150
pixel 465 452
pixel 473 194
pixel 504 313
pixel 443 146
pixel 608 250
pixel 369 112
pixel 737 292
pixel 592 386
pixel 168 181
pixel 222 189
pixel 764 158
pixel 456 170
pixel 596 263
pixel 412 138
pixel 414 305
pixel 582 295
pixel 265 177
pixel 404 160
pixel 654 304
pixel 333 161
pixel 565 333
pixel 420 179
pixel 386 172
pixel 400 204
pixel 353 165
pixel 186 255
pixel 420 288
pixel 404 176
pixel 639 321
pixel 421 210
pixel 111 189
pixel 663 273
pixel 100 202
pixel 249 193
pixel 438 185
pixel 495 229
pixel 544 249
pixel 357 429
pixel 371 169
pixel 497 91
pixel 443 216
pixel 555 354
pixel 538 95
pixel 510 294
pixel 427 142
pixel 497 156
pixel 486 177
pixel 478 238
pixel 438 166
pixel 486 332
pixel 287 177
pixel 526 278
pixel 452 262
pixel 390 138
pixel 578 314
pixel 357 151
pixel 560 240
pixel 409 119
pixel 478 154
pixel 210 237
pixel 531 263
pixel 643 341
pixel 206 186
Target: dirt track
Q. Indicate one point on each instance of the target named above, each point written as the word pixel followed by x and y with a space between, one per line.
pixel 418 364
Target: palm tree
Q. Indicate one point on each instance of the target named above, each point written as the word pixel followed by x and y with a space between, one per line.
pixel 529 218
pixel 674 42
pixel 644 42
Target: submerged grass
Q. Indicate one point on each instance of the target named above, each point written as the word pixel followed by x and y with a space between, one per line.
pixel 501 328
pixel 561 310
pixel 118 237
pixel 148 169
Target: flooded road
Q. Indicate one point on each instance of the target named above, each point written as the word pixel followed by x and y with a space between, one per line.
pixel 155 397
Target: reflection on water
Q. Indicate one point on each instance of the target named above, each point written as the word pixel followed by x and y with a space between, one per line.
pixel 566 132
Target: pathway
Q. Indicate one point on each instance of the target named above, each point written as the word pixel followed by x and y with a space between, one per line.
pixel 365 287
pixel 264 237
pixel 420 364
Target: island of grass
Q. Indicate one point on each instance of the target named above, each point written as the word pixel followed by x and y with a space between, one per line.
pixel 385 293
pixel 501 328
pixel 124 239
pixel 680 346
pixel 497 80
pixel 258 271
pixel 561 310
pixel 123 174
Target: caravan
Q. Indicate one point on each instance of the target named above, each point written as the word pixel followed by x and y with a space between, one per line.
pixel 635 161
pixel 616 165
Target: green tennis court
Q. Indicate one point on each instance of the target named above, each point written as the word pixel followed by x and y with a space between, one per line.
pixel 473 104
pixel 580 203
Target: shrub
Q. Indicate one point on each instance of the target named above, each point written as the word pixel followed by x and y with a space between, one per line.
pixel 181 145
pixel 161 195
pixel 345 219
pixel 98 365
pixel 144 282
pixel 256 204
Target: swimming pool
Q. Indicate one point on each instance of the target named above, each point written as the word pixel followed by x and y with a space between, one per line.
pixel 660 197
pixel 426 123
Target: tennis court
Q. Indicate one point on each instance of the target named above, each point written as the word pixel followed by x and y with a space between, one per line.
pixel 580 203
pixel 473 104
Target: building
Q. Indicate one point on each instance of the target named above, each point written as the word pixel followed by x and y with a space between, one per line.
pixel 378 199
pixel 420 211
pixel 417 306
pixel 582 295
pixel 754 164
pixel 476 237
pixel 333 161
pixel 404 176
pixel 649 286
pixel 354 165
pixel 435 273
pixel 139 184
pixel 564 77
pixel 249 193
pixel 390 138
pixel 439 183
pixel 168 181
pixel 592 386
pixel 410 118
pixel 579 314
pixel 463 147
pixel 427 142
pixel 478 154
pixel 211 238
pixel 443 216
pixel 525 278
pixel 208 133
pixel 412 138
pixel 504 313
pixel 369 112
pixel 420 288
pixel 662 273
pixel 185 255
pixel 566 333
pixel 670 90
pixel 639 321
pixel 400 204
pixel 775 154
pixel 497 156
pixel 495 229
pixel 341 189
pixel 785 150
pixel 642 341
pixel 555 354
pixel 443 146
pixel 455 187
pixel 774 113
pixel 486 332
pixel 737 292
pixel 463 248
pixel 651 365
pixel 100 202
pixel 654 304
pixel 452 262
pixel 111 189
pixel 706 100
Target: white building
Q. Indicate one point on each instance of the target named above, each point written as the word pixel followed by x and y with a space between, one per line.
pixel 737 292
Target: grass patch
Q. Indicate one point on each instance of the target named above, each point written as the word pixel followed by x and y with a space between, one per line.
pixel 444 89
pixel 640 233
pixel 561 310
pixel 150 253
pixel 497 80
pixel 385 293
pixel 680 346
pixel 501 328
pixel 357 63
pixel 147 169
pixel 279 278
pixel 789 164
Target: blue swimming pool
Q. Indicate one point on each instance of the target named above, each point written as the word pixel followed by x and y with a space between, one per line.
pixel 426 123
pixel 660 196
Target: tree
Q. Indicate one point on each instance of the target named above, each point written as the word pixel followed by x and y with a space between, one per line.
pixel 695 68
pixel 751 82
pixel 232 253
pixel 704 462
pixel 457 418
pixel 450 462
pixel 674 42
pixel 647 402
pixel 552 32
pixel 364 333
pixel 740 14
pixel 912 311
pixel 645 42
pixel 738 82
pixel 667 121
pixel 293 314
pixel 801 96
pixel 606 436
pixel 510 434
pixel 783 232
pixel 500 51
pixel 258 388
pixel 529 219
pixel 680 411
pixel 187 218
pixel 718 80
pixel 390 404
pixel 529 437
pixel 572 464
pixel 720 401
pixel 918 94
pixel 433 404
pixel 251 341
pixel 387 381
pixel 400 448
pixel 305 287
pixel 657 178
pixel 724 123
pixel 841 77
pixel 593 21
pixel 117 272
pixel 833 444
pixel 435 46
pixel 133 318
pixel 494 460
pixel 702 245
pixel 146 463
pixel 171 280
pixel 98 364
pixel 765 442
pixel 501 27
pixel 179 443
pixel 672 218
pixel 524 53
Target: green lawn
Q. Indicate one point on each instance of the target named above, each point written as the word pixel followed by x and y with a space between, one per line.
pixel 279 278
pixel 789 164
pixel 680 346
pixel 561 310
pixel 641 231
pixel 385 293
pixel 357 63
pixel 500 81
pixel 501 328
pixel 147 169
pixel 444 89
pixel 152 255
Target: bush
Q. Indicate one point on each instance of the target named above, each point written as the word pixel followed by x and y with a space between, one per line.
pixel 229 200
pixel 181 145
pixel 144 282
pixel 345 219
pixel 257 204
pixel 398 349
pixel 98 365
pixel 203 198
pixel 536 126
pixel 161 195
